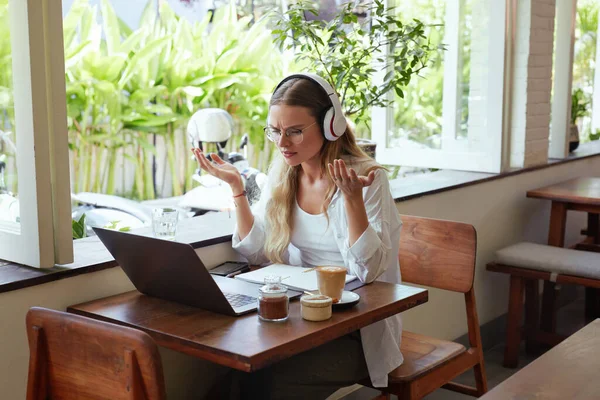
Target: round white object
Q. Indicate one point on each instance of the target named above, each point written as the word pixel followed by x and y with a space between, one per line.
pixel 210 125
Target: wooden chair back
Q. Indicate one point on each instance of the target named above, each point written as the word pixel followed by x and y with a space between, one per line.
pixel 437 253
pixel 441 254
pixel 77 357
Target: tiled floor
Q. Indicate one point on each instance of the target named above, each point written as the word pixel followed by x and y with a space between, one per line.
pixel 570 319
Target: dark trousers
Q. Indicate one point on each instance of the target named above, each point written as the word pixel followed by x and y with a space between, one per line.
pixel 314 374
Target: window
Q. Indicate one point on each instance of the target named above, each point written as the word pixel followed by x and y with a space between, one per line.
pixel 37 230
pixel 584 66
pixel 452 117
pixel 564 31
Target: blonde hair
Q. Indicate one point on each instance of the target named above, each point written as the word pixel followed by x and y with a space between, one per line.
pixel 284 178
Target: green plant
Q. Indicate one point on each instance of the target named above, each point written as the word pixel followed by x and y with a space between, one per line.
pixel 130 93
pixel 394 170
pixel 7 112
pixel 595 135
pixel 79 231
pixel 418 116
pixel 113 225
pixel 585 47
pixel 347 52
pixel 579 105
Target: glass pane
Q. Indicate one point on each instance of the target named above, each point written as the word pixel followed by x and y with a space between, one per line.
pixel 466 23
pixel 584 63
pixel 418 117
pixel 9 205
pixel 136 72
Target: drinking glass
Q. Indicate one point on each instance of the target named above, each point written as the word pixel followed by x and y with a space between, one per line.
pixel 164 223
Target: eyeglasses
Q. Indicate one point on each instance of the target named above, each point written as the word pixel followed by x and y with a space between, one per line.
pixel 294 134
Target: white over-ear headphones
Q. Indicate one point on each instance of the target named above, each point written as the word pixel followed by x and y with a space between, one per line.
pixel 334 122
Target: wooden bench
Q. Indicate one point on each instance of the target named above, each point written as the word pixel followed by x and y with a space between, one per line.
pixel 526 263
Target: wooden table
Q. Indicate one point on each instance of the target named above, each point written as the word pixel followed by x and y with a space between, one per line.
pixel 580 194
pixel 246 343
pixel 567 371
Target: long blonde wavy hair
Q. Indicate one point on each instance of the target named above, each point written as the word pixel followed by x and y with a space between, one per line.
pixel 284 178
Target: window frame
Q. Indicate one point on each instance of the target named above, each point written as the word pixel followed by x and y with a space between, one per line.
pixel 43 237
pixel 454 153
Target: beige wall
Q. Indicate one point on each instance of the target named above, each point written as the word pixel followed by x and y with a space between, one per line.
pixel 181 372
pixel 501 215
pixel 498 209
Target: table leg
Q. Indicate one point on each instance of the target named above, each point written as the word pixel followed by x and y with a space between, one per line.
pixel 558 222
pixel 556 237
pixel 513 325
pixel 593 227
pixel 532 306
pixel 592 295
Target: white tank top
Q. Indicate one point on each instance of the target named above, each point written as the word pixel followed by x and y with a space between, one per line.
pixel 313 236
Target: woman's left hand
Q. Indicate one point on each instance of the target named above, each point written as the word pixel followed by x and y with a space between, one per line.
pixel 347 180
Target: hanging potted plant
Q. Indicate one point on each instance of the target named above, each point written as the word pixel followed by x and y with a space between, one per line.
pixel 348 50
pixel 579 108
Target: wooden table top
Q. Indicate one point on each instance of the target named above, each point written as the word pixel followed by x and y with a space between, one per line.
pixel 245 342
pixel 579 190
pixel 567 371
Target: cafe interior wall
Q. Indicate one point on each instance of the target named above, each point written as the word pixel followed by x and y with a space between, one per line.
pixel 498 209
pixel 502 215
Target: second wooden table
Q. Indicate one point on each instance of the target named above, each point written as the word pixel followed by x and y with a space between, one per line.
pixel 580 194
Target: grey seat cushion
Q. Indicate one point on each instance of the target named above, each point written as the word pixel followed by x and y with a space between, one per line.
pixel 551 259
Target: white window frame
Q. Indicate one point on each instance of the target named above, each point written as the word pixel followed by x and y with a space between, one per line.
pixel 43 237
pixel 454 153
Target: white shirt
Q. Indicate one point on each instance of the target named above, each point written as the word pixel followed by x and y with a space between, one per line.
pixel 374 256
pixel 313 237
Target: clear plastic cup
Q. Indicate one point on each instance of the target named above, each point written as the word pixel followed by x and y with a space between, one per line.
pixel 164 223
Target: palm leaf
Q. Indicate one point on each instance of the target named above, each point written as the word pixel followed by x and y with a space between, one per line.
pixel 143 57
pixel 112 29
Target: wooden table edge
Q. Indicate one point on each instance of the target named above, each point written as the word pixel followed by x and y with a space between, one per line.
pixel 193 349
pixel 502 389
pixel 534 194
pixel 254 363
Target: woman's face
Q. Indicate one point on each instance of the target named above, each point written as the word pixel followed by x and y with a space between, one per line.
pixel 282 118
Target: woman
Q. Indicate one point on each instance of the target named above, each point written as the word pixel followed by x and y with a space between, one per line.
pixel 325 203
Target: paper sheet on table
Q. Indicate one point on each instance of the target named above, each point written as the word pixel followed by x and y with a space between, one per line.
pixel 291 276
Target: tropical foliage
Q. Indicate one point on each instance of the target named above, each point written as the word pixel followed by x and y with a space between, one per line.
pixel 584 63
pixel 129 91
pixel 7 115
pixel 418 115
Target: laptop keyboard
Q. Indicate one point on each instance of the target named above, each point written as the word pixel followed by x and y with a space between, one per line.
pixel 239 300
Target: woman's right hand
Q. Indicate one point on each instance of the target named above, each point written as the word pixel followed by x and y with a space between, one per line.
pixel 220 169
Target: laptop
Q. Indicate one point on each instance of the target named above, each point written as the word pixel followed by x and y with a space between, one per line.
pixel 173 271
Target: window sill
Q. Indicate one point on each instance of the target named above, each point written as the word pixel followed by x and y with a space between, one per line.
pixel 404 189
pixel 91 255
pixel 214 228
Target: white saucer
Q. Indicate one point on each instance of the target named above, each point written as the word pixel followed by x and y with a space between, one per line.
pixel 348 299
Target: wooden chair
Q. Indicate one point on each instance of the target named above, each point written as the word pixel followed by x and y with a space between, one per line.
pixel 438 254
pixel 76 357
